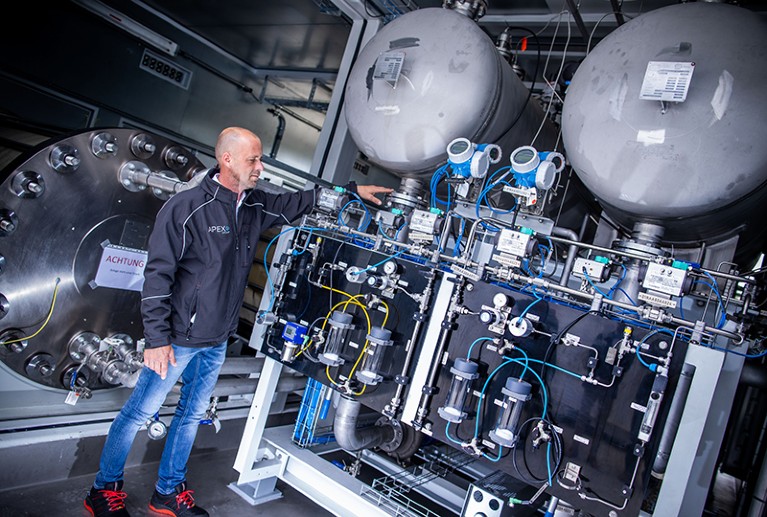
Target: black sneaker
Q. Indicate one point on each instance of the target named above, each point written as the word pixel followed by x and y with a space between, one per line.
pixel 108 501
pixel 178 504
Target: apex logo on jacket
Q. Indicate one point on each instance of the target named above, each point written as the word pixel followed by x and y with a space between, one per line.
pixel 219 229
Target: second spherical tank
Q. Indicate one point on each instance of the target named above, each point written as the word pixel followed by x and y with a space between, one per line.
pixel 696 167
pixel 431 76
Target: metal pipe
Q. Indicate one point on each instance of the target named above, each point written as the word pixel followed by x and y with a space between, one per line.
pixel 242 365
pixel 572 251
pixel 645 257
pixel 617 11
pixel 352 439
pixel 402 380
pixel 673 419
pixel 227 387
pixel 429 387
pixel 578 20
pixel 279 134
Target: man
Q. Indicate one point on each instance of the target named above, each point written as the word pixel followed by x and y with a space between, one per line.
pixel 200 253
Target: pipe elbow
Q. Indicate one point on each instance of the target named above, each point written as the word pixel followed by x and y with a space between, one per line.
pixel 352 439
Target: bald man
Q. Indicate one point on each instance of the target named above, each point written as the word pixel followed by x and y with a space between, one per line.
pixel 200 254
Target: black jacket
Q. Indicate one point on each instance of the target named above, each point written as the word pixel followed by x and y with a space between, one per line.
pixel 200 257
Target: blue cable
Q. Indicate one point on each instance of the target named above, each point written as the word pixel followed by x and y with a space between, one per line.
pixel 266 265
pixel 471 347
pixel 568 372
pixel 487 382
pixel 652 367
pixel 497 458
pixel 627 296
pixel 447 433
pixel 593 285
pixel 530 306
pixel 548 460
pixel 367 218
pixel 741 354
pixel 713 287
pixel 400 252
pixel 618 283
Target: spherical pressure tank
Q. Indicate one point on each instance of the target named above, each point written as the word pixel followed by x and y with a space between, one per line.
pixel 698 166
pixel 431 76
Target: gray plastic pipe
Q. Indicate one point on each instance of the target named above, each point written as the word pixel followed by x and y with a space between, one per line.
pixel 352 439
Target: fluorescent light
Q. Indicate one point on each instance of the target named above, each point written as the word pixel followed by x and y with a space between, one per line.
pixel 130 26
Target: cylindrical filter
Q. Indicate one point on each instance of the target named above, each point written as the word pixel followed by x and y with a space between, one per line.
pixel 340 324
pixel 464 372
pixel 370 372
pixel 516 393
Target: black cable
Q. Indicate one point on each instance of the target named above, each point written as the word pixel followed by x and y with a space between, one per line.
pixel 330 274
pixel 558 452
pixel 555 340
pixel 532 84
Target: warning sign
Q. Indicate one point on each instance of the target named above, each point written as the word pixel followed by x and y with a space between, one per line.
pixel 121 268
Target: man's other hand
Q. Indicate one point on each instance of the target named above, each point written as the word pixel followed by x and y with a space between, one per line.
pixel 368 192
pixel 156 359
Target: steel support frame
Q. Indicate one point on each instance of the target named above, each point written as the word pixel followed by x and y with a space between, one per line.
pixel 692 462
pixel 336 151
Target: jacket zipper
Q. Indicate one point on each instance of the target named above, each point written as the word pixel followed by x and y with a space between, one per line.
pixel 193 311
pixel 233 217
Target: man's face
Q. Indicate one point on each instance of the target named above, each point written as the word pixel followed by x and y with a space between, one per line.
pixel 246 163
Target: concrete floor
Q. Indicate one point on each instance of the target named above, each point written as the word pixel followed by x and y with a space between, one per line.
pixel 208 475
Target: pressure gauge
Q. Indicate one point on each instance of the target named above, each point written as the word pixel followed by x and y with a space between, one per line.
pixel 390 267
pixel 500 300
pixel 157 430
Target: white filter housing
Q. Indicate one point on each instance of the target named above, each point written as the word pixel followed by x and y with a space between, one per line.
pixel 696 167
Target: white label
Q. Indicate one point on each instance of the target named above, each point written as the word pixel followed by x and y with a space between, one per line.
pixel 423 221
pixel 506 260
pixel 638 407
pixel 389 66
pixel 353 344
pixel 664 279
pixel 72 398
pixel 667 81
pixel 513 242
pixel 581 439
pixel 530 195
pixel 657 301
pixel 121 268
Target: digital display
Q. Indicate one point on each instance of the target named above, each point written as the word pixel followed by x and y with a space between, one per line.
pixel 165 69
pixel 524 156
pixel 459 147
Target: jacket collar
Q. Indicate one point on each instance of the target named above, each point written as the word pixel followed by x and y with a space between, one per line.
pixel 211 186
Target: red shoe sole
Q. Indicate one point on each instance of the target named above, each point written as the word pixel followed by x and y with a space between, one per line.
pixel 162 512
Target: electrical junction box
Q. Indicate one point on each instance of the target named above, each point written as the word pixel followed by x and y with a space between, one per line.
pixel 664 279
pixel 513 242
pixel 489 497
pixel 596 270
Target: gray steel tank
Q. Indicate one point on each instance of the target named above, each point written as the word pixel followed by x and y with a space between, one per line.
pixel 431 76
pixel 697 167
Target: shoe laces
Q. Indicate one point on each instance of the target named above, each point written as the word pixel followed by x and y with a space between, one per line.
pixel 185 498
pixel 115 499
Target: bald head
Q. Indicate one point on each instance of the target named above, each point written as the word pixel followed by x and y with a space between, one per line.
pixel 232 139
pixel 238 152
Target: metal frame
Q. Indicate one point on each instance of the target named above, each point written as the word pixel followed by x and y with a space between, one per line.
pixel 693 458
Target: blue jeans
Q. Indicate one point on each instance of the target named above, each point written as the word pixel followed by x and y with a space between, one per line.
pixel 198 369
